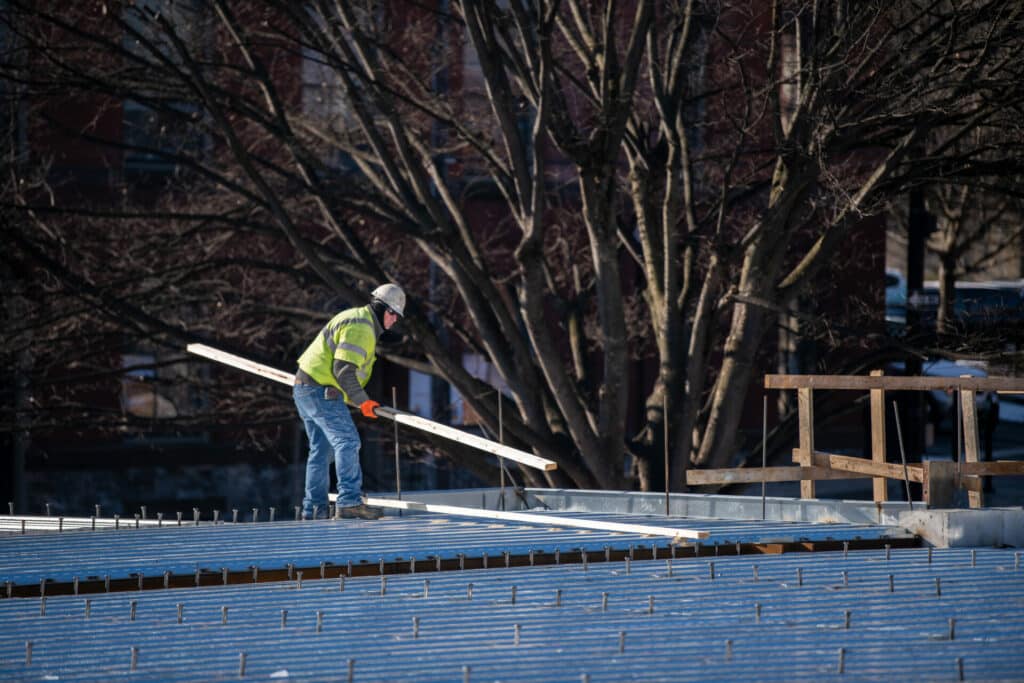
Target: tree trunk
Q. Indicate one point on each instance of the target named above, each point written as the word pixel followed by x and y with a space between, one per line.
pixel 945 315
pixel 717 447
pixel 613 390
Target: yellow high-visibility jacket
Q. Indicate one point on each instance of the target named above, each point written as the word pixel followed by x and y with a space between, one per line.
pixel 350 336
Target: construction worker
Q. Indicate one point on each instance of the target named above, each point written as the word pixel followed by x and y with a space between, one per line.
pixel 333 372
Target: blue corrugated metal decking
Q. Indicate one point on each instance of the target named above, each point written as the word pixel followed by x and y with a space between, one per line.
pixel 704 624
pixel 237 547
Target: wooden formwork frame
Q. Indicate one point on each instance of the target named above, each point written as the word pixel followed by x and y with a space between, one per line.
pixel 938 478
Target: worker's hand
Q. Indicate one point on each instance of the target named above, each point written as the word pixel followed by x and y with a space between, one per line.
pixel 368 407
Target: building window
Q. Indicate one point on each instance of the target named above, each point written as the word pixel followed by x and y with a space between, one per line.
pixel 479 117
pixel 157 128
pixel 139 389
pixel 478 366
pixel 157 137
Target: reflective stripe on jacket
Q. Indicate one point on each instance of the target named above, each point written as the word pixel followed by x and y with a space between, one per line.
pixel 350 336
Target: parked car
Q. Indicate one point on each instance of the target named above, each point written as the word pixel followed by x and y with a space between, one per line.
pixel 940 403
pixel 976 305
pixel 895 301
pixel 941 412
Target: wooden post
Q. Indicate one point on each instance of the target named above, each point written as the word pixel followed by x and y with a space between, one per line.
pixel 805 411
pixel 939 483
pixel 879 484
pixel 970 417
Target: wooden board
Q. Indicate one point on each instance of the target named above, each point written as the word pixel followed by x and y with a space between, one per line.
pixel 879 485
pixel 939 485
pixel 477 442
pixel 864 383
pixel 994 467
pixel 846 463
pixel 407 419
pixel 747 475
pixel 533 518
pixel 805 410
pixel 242 363
pixel 975 498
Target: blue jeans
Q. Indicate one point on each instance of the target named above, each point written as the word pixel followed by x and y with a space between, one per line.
pixel 330 429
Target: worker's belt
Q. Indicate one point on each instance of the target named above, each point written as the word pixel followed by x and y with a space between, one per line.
pixel 302 377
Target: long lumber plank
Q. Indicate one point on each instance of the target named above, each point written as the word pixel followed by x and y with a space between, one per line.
pixel 805 423
pixel 879 486
pixel 401 417
pixel 972 447
pixel 845 463
pixel 993 467
pixel 242 363
pixel 477 442
pixel 532 518
pixel 891 383
pixel 750 475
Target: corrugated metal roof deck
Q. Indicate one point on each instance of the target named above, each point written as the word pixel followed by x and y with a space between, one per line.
pixel 238 547
pixel 899 635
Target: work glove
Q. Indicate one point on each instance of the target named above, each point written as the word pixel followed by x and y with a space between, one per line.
pixel 368 406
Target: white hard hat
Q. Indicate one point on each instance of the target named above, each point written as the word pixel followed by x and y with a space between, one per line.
pixel 391 296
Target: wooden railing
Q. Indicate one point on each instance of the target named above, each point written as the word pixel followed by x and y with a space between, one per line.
pixel 939 479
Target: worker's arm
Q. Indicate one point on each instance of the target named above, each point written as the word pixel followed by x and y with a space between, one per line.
pixel 345 373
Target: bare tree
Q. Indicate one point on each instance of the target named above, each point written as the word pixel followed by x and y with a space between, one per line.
pixel 975 228
pixel 845 106
pixel 727 152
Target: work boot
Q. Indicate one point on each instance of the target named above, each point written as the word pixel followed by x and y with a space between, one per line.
pixel 361 511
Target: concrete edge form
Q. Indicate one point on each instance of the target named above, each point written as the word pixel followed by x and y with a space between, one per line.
pixel 710 506
pixel 993 527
